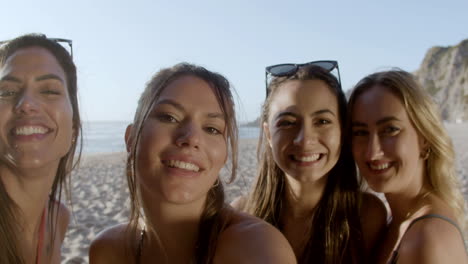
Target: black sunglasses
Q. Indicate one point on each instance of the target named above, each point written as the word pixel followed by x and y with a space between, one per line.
pixel 57 40
pixel 288 69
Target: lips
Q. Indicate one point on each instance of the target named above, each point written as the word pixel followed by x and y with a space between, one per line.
pixel 379 167
pixel 29 130
pixel 182 165
pixel 307 158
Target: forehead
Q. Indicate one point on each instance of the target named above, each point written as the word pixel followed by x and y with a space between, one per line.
pixel 192 93
pixel 376 103
pixel 31 61
pixel 307 96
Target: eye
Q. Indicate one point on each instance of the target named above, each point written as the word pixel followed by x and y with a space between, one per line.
pixel 359 133
pixel 285 123
pixel 213 131
pixel 166 118
pixel 8 92
pixel 323 121
pixel 391 130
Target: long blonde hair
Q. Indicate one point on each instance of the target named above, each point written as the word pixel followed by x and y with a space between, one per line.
pixel 424 115
pixel 10 251
pixel 336 236
pixel 212 221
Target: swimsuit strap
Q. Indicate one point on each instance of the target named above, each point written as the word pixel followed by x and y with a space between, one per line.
pixel 395 253
pixel 140 245
pixel 40 240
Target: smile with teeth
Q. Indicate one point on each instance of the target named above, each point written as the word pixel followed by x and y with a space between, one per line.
pixel 382 166
pixel 309 158
pixel 30 130
pixel 182 165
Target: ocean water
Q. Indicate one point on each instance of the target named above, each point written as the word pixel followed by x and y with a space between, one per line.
pixel 108 136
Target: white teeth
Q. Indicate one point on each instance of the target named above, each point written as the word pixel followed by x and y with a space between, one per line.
pixel 183 165
pixel 29 130
pixel 380 166
pixel 310 158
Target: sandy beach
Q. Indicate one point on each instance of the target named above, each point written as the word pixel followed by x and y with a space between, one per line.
pixel 100 196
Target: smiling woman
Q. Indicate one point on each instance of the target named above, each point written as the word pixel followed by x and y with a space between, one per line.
pixel 402 150
pixel 39 127
pixel 183 133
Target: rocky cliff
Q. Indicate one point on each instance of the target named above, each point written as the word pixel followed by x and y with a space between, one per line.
pixel 444 74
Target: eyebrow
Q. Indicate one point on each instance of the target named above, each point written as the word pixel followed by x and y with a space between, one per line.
pixel 50 76
pixel 318 112
pixel 379 122
pixel 181 108
pixel 10 78
pixel 40 78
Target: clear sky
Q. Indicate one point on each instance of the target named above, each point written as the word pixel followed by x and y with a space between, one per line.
pixel 119 45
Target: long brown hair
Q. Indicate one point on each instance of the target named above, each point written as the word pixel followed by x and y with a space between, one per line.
pixel 336 230
pixel 212 221
pixel 439 168
pixel 9 212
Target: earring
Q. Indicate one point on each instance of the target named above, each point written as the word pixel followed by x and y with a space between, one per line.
pixel 216 183
pixel 425 156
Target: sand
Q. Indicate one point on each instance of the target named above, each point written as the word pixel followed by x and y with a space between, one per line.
pixel 100 196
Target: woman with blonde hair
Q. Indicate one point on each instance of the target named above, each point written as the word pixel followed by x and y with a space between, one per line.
pixel 403 151
pixel 306 184
pixel 183 133
pixel 40 125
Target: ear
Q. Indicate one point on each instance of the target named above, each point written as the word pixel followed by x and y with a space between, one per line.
pixel 266 131
pixel 128 138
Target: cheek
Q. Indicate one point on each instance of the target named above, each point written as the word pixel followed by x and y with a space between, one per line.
pixel 218 152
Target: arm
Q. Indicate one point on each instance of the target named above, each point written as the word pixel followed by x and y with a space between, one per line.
pixel 64 221
pixel 253 241
pixel 108 247
pixel 432 241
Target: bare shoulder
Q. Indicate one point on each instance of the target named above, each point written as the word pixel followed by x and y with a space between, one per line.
pixel 432 240
pixel 239 202
pixel 109 246
pixel 63 220
pixel 248 239
pixel 373 219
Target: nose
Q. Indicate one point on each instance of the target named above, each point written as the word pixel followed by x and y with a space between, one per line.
pixel 374 148
pixel 26 103
pixel 305 136
pixel 188 135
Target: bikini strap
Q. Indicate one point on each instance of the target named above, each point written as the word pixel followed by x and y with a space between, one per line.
pixel 40 240
pixel 434 216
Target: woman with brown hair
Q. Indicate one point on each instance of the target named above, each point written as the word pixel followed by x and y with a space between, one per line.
pixel 183 133
pixel 40 125
pixel 403 151
pixel 306 184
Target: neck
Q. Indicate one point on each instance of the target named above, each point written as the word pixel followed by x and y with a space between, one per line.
pixel 405 206
pixel 176 225
pixel 303 197
pixel 407 201
pixel 30 193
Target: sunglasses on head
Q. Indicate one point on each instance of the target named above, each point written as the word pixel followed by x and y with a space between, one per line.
pixel 57 40
pixel 289 69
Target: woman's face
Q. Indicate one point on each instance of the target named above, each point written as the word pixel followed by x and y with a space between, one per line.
pixel 303 129
pixel 386 146
pixel 35 110
pixel 182 145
